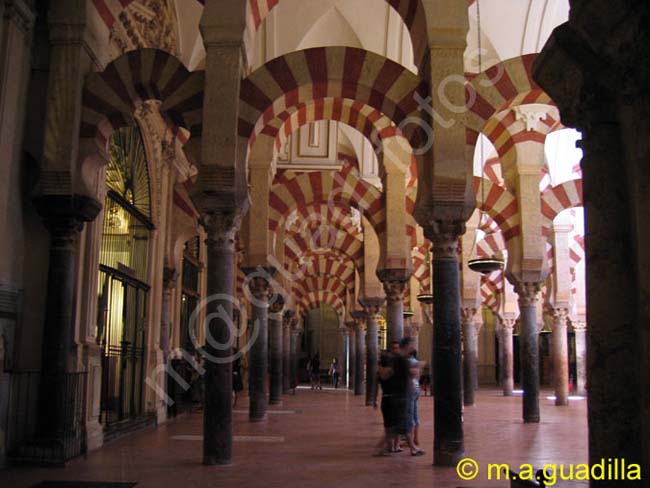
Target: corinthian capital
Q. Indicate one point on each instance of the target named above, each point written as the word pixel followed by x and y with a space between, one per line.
pixel 444 235
pixel 528 293
pixel 222 227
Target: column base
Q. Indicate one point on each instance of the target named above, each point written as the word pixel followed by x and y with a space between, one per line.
pixel 561 403
pixel 263 418
pixel 214 461
pixel 531 419
pixel 447 458
pixel 275 402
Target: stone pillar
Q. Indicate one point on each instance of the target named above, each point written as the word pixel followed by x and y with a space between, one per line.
pixel 359 330
pixel 470 354
pixel 529 349
pixel 372 306
pixel 217 412
pixel 448 445
pixel 394 281
pixel 260 288
pixel 508 364
pixel 560 356
pixel 295 341
pixel 412 330
pixel 275 338
pixel 580 329
pixel 169 283
pixel 286 350
pixel 344 356
pixel 352 365
pixel 64 217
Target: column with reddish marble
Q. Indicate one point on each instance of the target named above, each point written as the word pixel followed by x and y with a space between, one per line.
pixel 352 362
pixel 528 294
pixel 359 317
pixel 394 281
pixel 286 350
pixel 275 349
pixel 372 307
pixel 560 356
pixel 470 354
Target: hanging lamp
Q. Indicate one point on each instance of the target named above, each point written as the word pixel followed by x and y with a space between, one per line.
pixel 482 265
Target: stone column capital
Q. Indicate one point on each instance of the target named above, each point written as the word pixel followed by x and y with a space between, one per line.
pixel 169 278
pixel 359 317
pixel 372 305
pixel 65 215
pixel 579 325
pixel 287 318
pixel 560 316
pixel 20 13
pixel 222 227
pixel 508 325
pixel 528 293
pixel 444 235
pixel 467 314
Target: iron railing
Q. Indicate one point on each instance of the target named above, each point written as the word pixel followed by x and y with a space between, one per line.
pixel 28 438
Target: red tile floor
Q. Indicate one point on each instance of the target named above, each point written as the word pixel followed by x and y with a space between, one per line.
pixel 324 439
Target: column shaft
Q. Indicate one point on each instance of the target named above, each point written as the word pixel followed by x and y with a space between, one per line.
pixel 448 444
pixel 360 360
pixel 352 364
pixel 217 411
pixel 275 367
pixel 529 347
pixel 295 336
pixel 581 360
pixel 470 359
pixel 286 355
pixel 372 358
pixel 508 364
pixel 560 358
pixel 258 356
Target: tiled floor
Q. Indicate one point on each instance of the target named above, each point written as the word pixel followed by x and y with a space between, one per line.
pixel 324 439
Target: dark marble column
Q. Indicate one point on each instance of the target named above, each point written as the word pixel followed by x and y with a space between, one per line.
pixel 217 412
pixel 359 331
pixel 508 362
pixel 275 338
pixel 394 281
pixel 560 356
pixel 352 364
pixel 529 349
pixel 64 217
pixel 260 288
pixel 169 282
pixel 286 350
pixel 448 445
pixel 372 306
pixel 470 354
pixel 295 347
pixel 343 360
pixel 580 329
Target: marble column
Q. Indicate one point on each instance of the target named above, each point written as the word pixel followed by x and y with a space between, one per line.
pixel 508 363
pixel 63 217
pixel 448 446
pixel 295 345
pixel 394 281
pixel 580 329
pixel 359 331
pixel 371 307
pixel 275 346
pixel 560 356
pixel 344 382
pixel 412 330
pixel 470 354
pixel 217 412
pixel 352 365
pixel 286 350
pixel 528 294
pixel 169 283
pixel 260 288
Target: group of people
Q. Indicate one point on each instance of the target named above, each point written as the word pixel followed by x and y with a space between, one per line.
pixel 398 376
pixel 313 371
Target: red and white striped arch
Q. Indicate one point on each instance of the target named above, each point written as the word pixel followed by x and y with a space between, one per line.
pixel 111 96
pixel 421 268
pixel 500 205
pixel 326 72
pixel 558 198
pixel 492 291
pixel 411 12
pixel 341 188
pixel 319 214
pixel 319 243
pixel 317 299
pixel 319 283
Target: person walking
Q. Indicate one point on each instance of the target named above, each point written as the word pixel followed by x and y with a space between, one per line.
pixel 334 372
pixel 315 373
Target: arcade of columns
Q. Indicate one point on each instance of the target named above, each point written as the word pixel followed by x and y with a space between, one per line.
pixel 230 124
